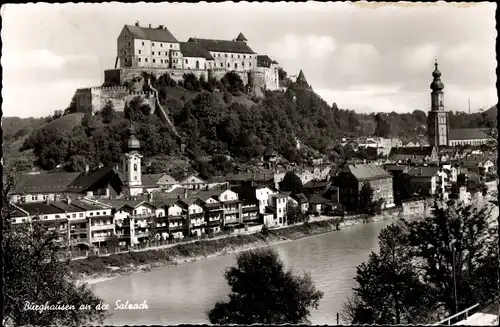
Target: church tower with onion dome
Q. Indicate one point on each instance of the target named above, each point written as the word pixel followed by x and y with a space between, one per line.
pixel 132 164
pixel 437 120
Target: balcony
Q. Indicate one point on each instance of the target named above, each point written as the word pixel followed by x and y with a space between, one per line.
pixel 213 223
pixel 79 240
pixel 229 211
pixel 196 215
pixel 102 227
pixel 176 228
pixel 143 216
pixel 99 238
pixel 198 223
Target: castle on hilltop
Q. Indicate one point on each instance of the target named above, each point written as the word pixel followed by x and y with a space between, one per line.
pixel 156 51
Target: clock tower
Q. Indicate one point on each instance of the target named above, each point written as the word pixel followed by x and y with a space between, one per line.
pixel 437 121
pixel 131 163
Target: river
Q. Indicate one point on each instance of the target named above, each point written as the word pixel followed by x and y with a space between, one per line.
pixel 182 294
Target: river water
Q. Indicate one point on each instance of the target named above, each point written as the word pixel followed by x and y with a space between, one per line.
pixel 183 294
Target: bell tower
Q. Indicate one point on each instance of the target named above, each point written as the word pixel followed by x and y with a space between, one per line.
pixel 131 162
pixel 437 121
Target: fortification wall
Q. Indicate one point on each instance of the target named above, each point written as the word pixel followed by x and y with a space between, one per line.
pixel 120 76
pixel 93 99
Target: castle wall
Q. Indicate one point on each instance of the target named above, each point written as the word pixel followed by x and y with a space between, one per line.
pixel 127 74
pixel 93 100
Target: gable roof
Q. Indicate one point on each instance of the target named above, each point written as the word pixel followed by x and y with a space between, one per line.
pixel 415 151
pixel 151 180
pixel 86 180
pixel 425 171
pixel 152 34
pixel 40 208
pixel 364 172
pixel 195 50
pixel 241 37
pixel 223 45
pixel 44 182
pixel 318 199
pixel 467 134
pixel 300 197
pixel 265 61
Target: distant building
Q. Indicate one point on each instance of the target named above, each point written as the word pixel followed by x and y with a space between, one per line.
pixel 439 131
pixel 415 155
pixel 351 179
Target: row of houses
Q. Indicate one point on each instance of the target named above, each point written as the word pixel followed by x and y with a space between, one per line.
pixel 173 215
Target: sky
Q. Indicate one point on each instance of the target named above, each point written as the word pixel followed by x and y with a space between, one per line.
pixel 365 57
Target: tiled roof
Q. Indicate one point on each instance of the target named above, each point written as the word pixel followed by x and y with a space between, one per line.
pixel 152 34
pixel 195 50
pixel 223 45
pixel 16 212
pixel 151 180
pixel 364 172
pixel 300 197
pixel 86 180
pixel 40 208
pixel 415 151
pixel 467 134
pixel 66 207
pixel 44 183
pixel 265 61
pixel 318 199
pixel 423 171
pixel 89 205
pixel 116 204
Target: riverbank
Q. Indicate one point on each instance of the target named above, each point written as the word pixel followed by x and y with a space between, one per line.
pixel 96 269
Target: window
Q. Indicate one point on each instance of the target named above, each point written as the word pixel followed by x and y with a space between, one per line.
pixel 91 213
pixel 146 59
pixel 57 216
pixel 244 56
pixel 128 43
pixel 125 60
pixel 221 65
pixel 161 61
pixel 218 55
pixel 153 53
pixel 124 52
pixel 170 46
pixel 232 56
pixel 250 64
pixel 225 197
pixel 161 45
pixel 139 59
pixel 186 61
pixel 228 65
pixel 142 43
pixel 154 60
pixel 225 55
pixel 73 215
pixel 238 56
pixel 80 215
pixel 139 51
pixel 153 44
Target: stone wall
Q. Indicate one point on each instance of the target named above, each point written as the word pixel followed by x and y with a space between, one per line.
pixel 93 99
pixel 121 75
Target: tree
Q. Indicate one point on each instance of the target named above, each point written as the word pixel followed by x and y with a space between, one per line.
pixel 470 228
pixel 291 183
pixel 34 273
pixel 366 198
pixel 383 128
pixel 388 289
pixel 263 292
pixel 233 82
pixel 113 242
pixel 294 214
pixel 108 112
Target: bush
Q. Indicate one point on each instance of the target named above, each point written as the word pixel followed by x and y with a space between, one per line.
pixel 227 97
pixel 191 82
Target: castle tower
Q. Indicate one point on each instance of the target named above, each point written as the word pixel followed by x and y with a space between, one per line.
pixel 301 80
pixel 241 38
pixel 437 121
pixel 132 176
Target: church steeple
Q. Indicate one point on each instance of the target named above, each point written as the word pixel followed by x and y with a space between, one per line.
pixel 437 125
pixel 133 143
pixel 131 161
pixel 436 85
pixel 301 79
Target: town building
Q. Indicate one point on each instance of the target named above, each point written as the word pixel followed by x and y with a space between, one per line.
pixel 351 179
pixel 269 69
pixel 102 182
pixel 414 155
pixel 439 131
pixel 427 180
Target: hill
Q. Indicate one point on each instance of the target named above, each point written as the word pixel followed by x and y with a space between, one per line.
pixel 217 120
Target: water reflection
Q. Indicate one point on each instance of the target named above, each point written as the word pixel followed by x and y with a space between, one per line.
pixel 183 294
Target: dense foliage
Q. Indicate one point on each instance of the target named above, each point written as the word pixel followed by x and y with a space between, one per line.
pixel 411 280
pixel 213 119
pixel 34 274
pixel 263 292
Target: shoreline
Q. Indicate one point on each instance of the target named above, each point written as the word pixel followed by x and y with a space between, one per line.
pixel 275 237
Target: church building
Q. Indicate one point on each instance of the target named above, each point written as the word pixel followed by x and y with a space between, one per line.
pixel 131 165
pixel 439 131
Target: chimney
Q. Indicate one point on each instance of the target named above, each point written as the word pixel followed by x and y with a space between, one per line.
pixel 86 168
pixel 137 23
pixel 68 200
pixel 185 194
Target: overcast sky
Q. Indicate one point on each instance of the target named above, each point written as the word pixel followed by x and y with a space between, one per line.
pixel 364 58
